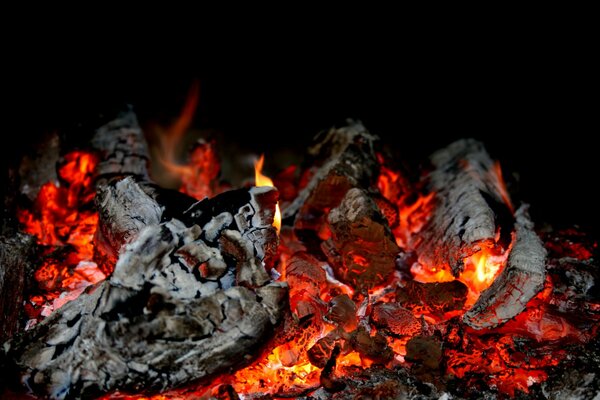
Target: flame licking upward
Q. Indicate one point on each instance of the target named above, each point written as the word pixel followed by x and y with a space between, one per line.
pixel 262 180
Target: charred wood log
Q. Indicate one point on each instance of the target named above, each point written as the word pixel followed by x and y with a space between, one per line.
pixel 522 278
pixel 362 249
pixel 124 209
pixel 184 303
pixel 470 205
pixel 344 158
pixel 434 298
pixel 16 258
pixel 122 149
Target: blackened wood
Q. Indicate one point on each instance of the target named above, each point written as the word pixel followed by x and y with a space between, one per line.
pixel 434 298
pixel 38 167
pixel 122 147
pixel 344 158
pixel 124 209
pixel 396 319
pixel 16 258
pixel 364 250
pixel 522 278
pixel 468 204
pixel 184 303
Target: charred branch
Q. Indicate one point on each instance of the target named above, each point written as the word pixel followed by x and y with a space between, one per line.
pixel 16 258
pixel 522 278
pixel 362 250
pixel 344 158
pixel 469 205
pixel 184 303
pixel 124 209
pixel 122 149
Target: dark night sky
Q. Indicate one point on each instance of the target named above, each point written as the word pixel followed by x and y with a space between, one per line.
pixel 535 119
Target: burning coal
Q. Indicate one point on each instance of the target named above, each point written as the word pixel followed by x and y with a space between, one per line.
pixel 441 283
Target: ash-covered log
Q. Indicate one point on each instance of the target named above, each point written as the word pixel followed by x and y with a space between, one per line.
pixel 522 278
pixel 342 159
pixel 124 209
pixel 123 150
pixel 362 250
pixel 470 206
pixel 185 302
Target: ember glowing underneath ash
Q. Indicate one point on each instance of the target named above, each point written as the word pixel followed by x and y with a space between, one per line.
pixel 371 285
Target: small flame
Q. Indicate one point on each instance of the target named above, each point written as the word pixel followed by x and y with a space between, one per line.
pixel 262 180
pixel 172 138
pixel 484 274
pixel 501 185
pixel 481 269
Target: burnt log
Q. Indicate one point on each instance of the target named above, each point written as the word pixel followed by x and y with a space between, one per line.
pixel 522 278
pixel 435 298
pixel 362 250
pixel 185 302
pixel 16 259
pixel 124 209
pixel 342 158
pixel 470 206
pixel 122 147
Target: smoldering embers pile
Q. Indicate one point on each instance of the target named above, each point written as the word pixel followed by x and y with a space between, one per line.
pixel 376 286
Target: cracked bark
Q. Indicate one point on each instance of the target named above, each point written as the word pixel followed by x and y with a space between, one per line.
pixel 186 301
pixel 522 278
pixel 343 158
pixel 470 206
pixel 362 250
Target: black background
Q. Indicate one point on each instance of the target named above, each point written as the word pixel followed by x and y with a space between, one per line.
pixel 536 118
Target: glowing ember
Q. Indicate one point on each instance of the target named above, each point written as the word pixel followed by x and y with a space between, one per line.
pixel 263 180
pixel 285 368
pixel 63 220
pixel 326 313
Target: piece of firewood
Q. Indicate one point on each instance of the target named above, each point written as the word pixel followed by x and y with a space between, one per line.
pixel 362 250
pixel 344 158
pixel 184 303
pixel 522 278
pixel 122 147
pixel 470 203
pixel 124 209
pixel 16 257
pixel 434 298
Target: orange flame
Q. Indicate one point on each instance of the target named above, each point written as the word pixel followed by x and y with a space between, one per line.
pixel 172 138
pixel 263 180
pixel 286 367
pixel 198 177
pixel 481 269
pixel 501 185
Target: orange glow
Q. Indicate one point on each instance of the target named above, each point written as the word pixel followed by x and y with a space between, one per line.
pixel 510 357
pixel 351 359
pixel 171 139
pixel 62 219
pixel 198 177
pixel 501 185
pixel 481 269
pixel 263 180
pixel 413 217
pixel 428 275
pixel 285 368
